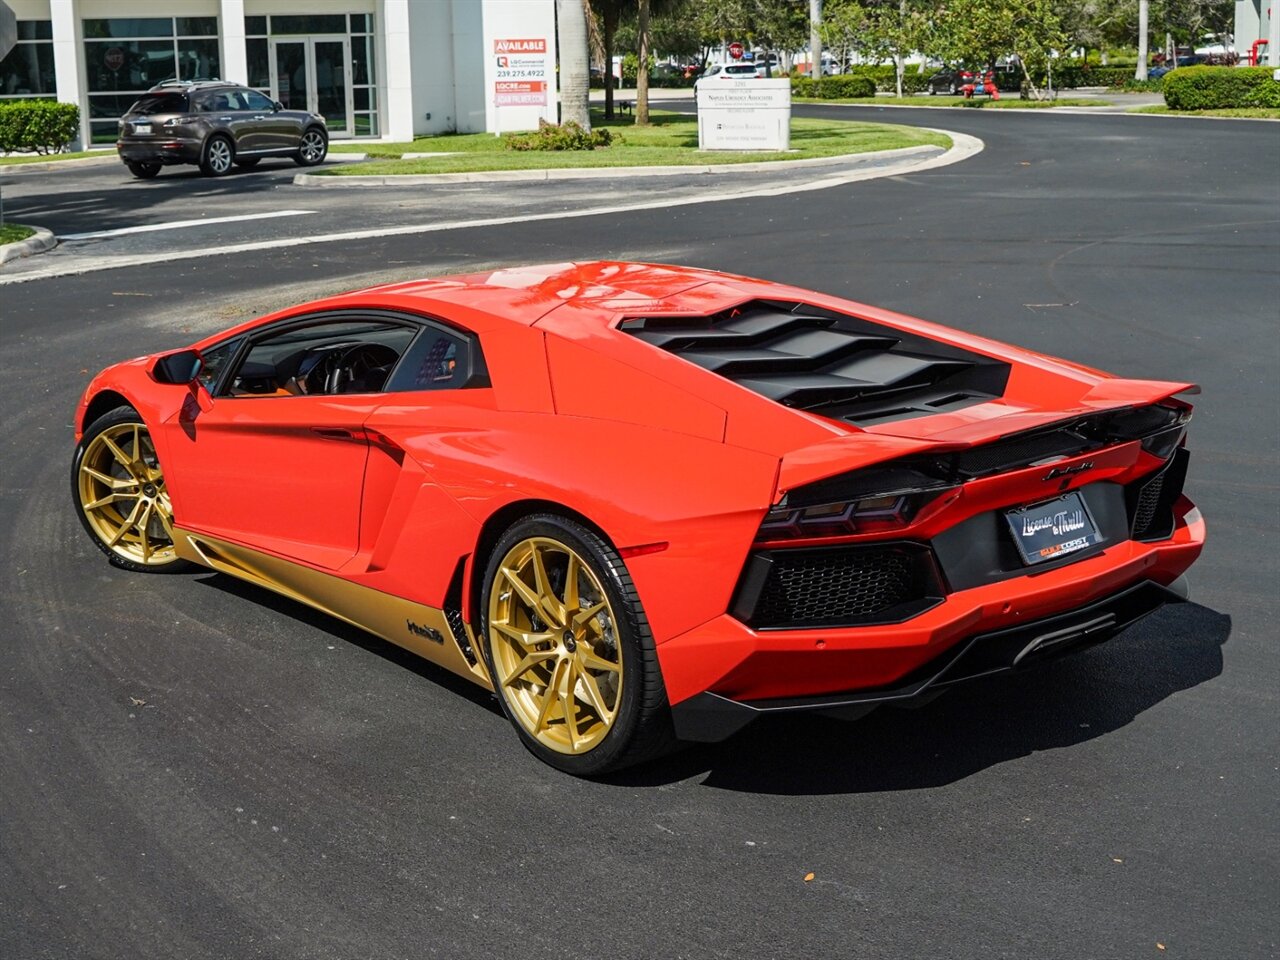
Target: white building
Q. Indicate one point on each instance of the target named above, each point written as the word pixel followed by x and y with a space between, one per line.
pixel 1258 22
pixel 387 69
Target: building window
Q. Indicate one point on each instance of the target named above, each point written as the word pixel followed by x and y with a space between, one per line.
pixel 28 69
pixel 125 57
pixel 261 35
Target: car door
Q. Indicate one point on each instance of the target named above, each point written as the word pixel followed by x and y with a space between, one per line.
pixel 272 453
pixel 274 130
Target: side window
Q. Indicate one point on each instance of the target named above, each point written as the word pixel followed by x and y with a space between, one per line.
pixel 257 102
pixel 235 100
pixel 326 358
pixel 440 360
pixel 215 361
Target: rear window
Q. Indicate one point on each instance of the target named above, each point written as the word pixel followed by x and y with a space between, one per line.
pixel 161 103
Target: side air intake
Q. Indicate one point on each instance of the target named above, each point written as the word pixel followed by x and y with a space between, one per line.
pixel 837 365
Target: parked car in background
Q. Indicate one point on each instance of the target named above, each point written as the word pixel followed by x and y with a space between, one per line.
pixel 216 125
pixel 949 80
pixel 1182 60
pixel 727 71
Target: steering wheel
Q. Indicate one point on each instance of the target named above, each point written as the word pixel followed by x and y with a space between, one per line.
pixel 342 368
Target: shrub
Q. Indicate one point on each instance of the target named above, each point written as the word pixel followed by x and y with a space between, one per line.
pixel 567 136
pixel 42 126
pixel 1216 88
pixel 840 87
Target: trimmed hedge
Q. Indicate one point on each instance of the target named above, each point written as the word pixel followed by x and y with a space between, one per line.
pixel 839 87
pixel 1217 88
pixel 40 126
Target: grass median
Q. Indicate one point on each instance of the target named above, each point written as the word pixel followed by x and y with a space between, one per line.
pixel 671 139
pixel 1255 113
pixel 1007 102
pixel 21 158
pixel 13 232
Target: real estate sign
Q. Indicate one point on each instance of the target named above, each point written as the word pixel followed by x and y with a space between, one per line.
pixel 744 114
pixel 520 77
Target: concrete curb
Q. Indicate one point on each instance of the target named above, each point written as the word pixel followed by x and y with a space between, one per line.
pixel 38 242
pixel 597 173
pixel 45 166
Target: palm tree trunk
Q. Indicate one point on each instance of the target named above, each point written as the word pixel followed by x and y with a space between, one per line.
pixel 1143 12
pixel 642 69
pixel 571 19
pixel 609 27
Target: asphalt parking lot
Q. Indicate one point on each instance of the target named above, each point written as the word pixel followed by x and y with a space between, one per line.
pixel 192 767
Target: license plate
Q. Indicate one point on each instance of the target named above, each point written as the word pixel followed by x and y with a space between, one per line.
pixel 142 128
pixel 1053 529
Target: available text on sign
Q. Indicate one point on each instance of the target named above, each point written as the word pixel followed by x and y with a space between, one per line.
pixel 520 75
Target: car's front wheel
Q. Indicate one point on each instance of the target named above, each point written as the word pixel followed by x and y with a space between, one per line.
pixel 312 149
pixel 218 156
pixel 119 493
pixel 144 171
pixel 569 649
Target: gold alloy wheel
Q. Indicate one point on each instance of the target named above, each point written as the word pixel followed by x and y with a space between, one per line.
pixel 123 496
pixel 556 655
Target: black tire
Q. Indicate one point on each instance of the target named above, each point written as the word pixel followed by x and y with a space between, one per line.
pixel 127 553
pixel 313 147
pixel 218 156
pixel 933 91
pixel 953 89
pixel 641 726
pixel 248 162
pixel 143 171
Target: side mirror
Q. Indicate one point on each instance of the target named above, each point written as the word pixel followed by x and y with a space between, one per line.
pixel 181 367
pixel 278 105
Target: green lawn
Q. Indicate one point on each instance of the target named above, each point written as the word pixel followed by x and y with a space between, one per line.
pixel 1268 113
pixel 671 139
pixel 13 232
pixel 45 158
pixel 1008 101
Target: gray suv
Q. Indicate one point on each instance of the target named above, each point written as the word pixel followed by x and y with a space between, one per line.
pixel 215 124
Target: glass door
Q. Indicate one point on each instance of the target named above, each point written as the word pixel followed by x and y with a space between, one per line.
pixel 290 78
pixel 331 67
pixel 314 73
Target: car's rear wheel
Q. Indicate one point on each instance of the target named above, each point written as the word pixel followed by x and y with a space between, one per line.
pixel 218 156
pixel 569 649
pixel 953 89
pixel 144 171
pixel 248 162
pixel 119 492
pixel 313 148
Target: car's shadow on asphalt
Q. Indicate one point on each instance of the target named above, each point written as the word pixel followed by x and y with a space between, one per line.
pixel 966 730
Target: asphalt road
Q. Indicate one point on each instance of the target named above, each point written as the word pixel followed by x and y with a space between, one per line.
pixel 193 768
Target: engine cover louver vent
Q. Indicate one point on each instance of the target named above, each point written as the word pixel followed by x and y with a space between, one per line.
pixel 840 366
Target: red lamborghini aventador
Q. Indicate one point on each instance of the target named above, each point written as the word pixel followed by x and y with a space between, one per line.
pixel 645 503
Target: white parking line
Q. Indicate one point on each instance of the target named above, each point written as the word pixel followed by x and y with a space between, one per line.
pixel 180 224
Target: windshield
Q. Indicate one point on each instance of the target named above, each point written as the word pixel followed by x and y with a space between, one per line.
pixel 740 70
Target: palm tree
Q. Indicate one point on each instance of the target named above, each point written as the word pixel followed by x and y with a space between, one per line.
pixel 571 21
